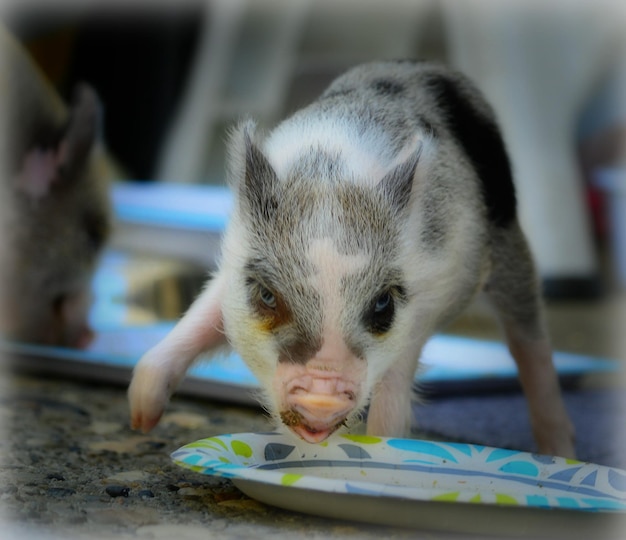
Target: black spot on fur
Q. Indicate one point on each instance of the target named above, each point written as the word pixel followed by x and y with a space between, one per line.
pixel 435 224
pixel 426 126
pixel 481 141
pixel 412 61
pixel 319 163
pixel 388 87
pixel 398 126
pixel 337 93
pixel 299 351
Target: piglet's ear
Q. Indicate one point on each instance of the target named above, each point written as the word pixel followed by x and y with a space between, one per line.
pixel 42 167
pixel 82 130
pixel 260 182
pixel 398 184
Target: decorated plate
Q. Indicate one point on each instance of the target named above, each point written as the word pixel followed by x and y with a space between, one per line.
pixel 435 485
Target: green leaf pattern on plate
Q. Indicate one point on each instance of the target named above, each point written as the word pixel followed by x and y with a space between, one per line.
pixel 410 469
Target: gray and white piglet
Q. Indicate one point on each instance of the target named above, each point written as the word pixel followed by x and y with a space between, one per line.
pixel 362 224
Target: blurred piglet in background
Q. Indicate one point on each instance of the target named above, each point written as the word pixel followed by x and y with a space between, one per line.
pixel 54 204
pixel 362 224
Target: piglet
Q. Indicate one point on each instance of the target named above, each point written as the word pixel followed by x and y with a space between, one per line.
pixel 54 204
pixel 362 224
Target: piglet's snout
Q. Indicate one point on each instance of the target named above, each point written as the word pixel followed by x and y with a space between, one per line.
pixel 319 409
pixel 322 398
pixel 320 395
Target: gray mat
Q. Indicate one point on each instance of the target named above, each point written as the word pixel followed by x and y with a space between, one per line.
pixel 501 420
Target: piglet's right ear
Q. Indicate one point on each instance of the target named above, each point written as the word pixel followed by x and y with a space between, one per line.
pixel 83 128
pixel 42 167
pixel 397 185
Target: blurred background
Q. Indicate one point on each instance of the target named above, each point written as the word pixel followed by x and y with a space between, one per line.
pixel 174 76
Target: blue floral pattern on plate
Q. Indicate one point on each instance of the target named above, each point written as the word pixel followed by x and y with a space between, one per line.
pixel 411 470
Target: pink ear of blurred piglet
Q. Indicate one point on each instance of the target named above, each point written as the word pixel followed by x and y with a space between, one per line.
pixel 43 167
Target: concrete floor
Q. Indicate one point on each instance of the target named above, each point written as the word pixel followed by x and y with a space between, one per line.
pixel 72 469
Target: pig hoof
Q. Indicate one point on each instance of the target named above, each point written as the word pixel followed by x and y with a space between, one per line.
pixel 145 416
pixel 148 394
pixel 144 424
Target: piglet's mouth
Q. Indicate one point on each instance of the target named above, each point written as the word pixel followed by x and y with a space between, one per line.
pixel 312 433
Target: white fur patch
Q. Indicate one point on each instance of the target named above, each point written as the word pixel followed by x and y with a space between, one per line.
pixel 331 266
pixel 364 154
pixel 292 140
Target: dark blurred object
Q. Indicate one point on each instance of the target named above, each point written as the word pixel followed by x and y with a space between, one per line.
pixel 602 150
pixel 137 58
pixel 55 217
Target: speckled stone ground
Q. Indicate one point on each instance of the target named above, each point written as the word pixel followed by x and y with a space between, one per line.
pixel 71 468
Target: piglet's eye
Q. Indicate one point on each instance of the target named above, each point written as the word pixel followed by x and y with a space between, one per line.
pixel 268 307
pixel 267 297
pixel 380 315
pixel 382 302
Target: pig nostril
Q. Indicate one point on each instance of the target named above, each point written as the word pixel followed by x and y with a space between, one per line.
pixel 349 395
pixel 297 391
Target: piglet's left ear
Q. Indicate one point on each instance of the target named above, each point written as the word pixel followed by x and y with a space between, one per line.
pixel 42 167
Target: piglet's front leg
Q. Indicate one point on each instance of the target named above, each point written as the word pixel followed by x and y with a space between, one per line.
pixel 390 412
pixel 161 369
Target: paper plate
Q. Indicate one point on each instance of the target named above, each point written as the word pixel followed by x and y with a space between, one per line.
pixel 405 482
